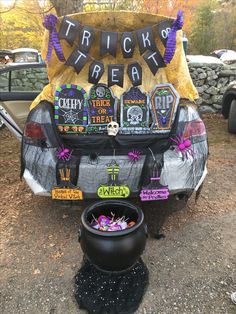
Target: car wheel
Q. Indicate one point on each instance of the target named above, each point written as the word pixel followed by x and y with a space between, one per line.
pixel 232 117
pixel 1 124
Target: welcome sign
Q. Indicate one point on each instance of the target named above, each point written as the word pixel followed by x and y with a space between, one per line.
pixel 70 109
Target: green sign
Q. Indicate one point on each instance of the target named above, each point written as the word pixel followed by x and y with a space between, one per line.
pixel 114 188
pixel 109 191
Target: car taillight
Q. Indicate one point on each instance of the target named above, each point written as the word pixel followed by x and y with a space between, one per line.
pixel 34 130
pixel 194 128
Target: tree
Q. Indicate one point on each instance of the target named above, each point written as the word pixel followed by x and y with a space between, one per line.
pixel 203 33
pixel 64 7
pixel 21 26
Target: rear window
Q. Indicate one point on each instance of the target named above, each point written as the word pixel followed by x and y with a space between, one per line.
pixel 25 57
pixel 28 80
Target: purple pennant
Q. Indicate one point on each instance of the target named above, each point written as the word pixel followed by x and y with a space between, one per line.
pixel 50 22
pixel 171 41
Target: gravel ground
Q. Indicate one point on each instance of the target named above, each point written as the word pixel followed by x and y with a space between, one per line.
pixel 192 270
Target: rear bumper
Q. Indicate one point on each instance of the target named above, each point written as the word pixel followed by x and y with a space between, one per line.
pixel 180 176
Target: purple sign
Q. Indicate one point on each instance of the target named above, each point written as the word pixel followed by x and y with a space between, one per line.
pixel 154 193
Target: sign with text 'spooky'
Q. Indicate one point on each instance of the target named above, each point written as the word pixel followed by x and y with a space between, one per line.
pixel 102 107
pixel 70 109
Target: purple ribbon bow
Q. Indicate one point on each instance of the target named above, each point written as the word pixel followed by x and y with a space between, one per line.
pixel 50 22
pixel 171 41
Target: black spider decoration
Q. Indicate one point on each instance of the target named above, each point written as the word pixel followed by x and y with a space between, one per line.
pixel 93 158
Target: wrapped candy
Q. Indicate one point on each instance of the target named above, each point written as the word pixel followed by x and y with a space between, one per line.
pixel 105 223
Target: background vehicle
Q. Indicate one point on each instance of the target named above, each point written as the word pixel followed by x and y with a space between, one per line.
pixel 25 55
pixel 19 85
pixel 225 55
pixel 229 106
pixel 1 124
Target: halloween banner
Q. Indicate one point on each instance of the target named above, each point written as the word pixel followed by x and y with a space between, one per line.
pixel 163 30
pixel 146 40
pixel 154 60
pixel 127 44
pixel 83 37
pixel 108 43
pixel 69 30
pixel 86 38
pixel 78 59
pixel 96 70
pixel 116 74
pixel 134 71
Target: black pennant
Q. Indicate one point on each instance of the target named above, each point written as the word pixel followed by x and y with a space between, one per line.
pixel 116 74
pixel 127 44
pixel 108 43
pixel 146 39
pixel 135 73
pixel 154 60
pixel 77 59
pixel 163 30
pixel 86 38
pixel 69 30
pixel 96 70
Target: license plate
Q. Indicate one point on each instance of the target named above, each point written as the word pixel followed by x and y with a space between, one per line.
pixel 67 194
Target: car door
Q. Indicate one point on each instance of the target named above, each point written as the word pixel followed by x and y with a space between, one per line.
pixel 19 86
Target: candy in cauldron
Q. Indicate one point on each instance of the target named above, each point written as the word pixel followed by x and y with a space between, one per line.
pixel 117 250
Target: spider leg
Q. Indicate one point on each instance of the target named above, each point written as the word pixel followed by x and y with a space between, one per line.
pixel 174 140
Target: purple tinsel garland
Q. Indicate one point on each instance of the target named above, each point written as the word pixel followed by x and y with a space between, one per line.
pixel 171 41
pixel 50 22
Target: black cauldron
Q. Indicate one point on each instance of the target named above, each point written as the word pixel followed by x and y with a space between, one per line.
pixel 117 250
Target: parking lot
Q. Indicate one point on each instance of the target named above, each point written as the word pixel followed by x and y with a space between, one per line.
pixel 191 270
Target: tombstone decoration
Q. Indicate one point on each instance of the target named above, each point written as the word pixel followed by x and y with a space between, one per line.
pixel 164 104
pixel 134 111
pixel 114 188
pixel 102 108
pixel 70 109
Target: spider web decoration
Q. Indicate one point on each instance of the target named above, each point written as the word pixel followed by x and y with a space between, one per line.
pixel 110 293
pixel 70 116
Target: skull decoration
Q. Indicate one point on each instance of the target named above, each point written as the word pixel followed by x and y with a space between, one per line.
pixel 134 115
pixel 112 128
pixel 100 91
